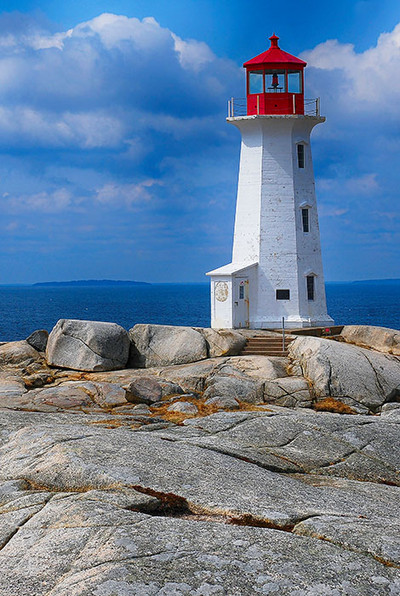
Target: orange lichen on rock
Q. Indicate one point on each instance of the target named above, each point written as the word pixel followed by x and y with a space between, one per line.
pixel 203 409
pixel 330 404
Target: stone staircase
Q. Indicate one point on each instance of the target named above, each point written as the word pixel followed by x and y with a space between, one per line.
pixel 262 345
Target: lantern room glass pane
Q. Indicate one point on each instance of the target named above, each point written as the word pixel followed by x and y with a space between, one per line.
pixel 275 81
pixel 294 81
pixel 256 81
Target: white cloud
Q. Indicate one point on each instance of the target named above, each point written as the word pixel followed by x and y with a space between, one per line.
pixel 364 185
pixel 106 81
pixel 364 81
pixel 126 194
pixel 192 54
pixel 45 202
pixel 25 125
pixel 44 42
pixel 115 29
pixel 329 211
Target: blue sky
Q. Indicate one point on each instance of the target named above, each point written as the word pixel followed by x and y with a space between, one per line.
pixel 116 160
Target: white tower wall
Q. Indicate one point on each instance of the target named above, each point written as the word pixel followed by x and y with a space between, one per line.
pixel 272 191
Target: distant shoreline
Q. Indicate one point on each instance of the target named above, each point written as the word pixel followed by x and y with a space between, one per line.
pixel 90 283
pixel 123 283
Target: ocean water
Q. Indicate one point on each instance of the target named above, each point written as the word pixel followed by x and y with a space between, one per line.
pixel 26 308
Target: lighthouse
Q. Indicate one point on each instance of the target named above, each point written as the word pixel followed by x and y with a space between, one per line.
pixel 276 270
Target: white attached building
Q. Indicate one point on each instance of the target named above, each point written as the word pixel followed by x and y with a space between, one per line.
pixel 276 268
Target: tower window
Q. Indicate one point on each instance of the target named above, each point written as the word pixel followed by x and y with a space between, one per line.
pixel 300 155
pixel 275 81
pixel 294 81
pixel 310 287
pixel 305 219
pixel 283 294
pixel 241 292
pixel 256 81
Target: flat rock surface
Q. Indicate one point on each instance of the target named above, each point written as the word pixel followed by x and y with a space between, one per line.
pixel 120 483
pixel 233 503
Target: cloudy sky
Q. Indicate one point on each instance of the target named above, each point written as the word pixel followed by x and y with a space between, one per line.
pixel 116 160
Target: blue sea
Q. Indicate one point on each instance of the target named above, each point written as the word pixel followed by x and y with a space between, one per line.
pixel 26 308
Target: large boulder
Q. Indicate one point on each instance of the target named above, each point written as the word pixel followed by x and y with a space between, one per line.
pixel 223 342
pixel 360 378
pixel 164 345
pixel 87 345
pixel 377 338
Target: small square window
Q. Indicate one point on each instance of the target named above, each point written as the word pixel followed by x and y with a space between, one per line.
pixel 310 287
pixel 305 219
pixel 283 294
pixel 300 155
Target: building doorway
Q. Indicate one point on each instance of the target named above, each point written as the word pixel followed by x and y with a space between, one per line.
pixel 241 302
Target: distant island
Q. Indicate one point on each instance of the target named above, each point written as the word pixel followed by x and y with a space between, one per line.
pixel 91 282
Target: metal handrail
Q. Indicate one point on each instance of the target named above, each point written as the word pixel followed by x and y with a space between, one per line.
pixel 237 106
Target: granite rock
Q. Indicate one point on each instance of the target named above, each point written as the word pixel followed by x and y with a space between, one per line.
pixel 97 544
pixel 223 342
pixel 164 345
pixel 261 368
pixel 228 381
pixel 377 338
pixel 38 339
pixel 342 370
pixel 183 407
pixel 18 353
pixel 202 508
pixel 191 377
pixel 223 403
pixel 87 345
pixel 292 392
pixel 150 390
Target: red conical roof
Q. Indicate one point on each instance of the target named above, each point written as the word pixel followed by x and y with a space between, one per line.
pixel 274 55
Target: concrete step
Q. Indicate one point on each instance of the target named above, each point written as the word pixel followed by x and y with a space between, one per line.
pixel 251 352
pixel 266 343
pixel 266 353
pixel 266 346
pixel 268 339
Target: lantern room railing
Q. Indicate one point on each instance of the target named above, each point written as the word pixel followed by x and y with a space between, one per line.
pixel 237 106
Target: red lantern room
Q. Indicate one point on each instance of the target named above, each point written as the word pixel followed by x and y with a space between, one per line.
pixel 275 82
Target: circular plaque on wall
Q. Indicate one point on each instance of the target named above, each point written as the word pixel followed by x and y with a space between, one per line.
pixel 221 291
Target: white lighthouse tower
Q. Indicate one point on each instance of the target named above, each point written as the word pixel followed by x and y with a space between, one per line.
pixel 276 269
